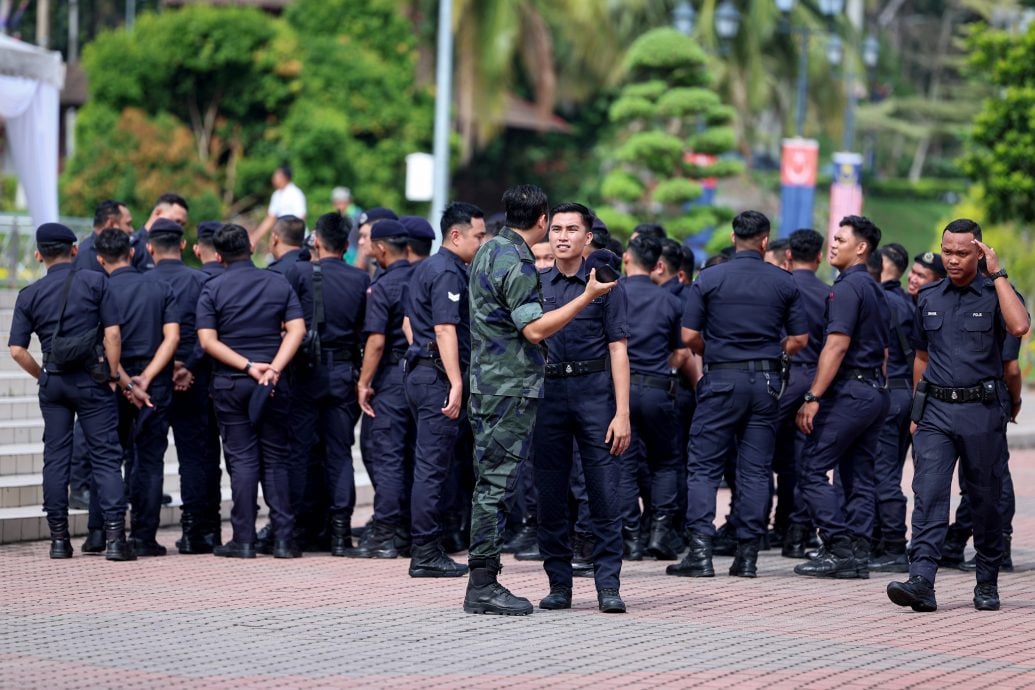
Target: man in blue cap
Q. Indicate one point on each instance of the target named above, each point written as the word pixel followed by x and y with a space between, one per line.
pixel 66 309
pixel 364 257
pixel 422 237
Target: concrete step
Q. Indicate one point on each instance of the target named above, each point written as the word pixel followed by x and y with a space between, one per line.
pixel 21 431
pixel 27 458
pixel 17 384
pixel 20 407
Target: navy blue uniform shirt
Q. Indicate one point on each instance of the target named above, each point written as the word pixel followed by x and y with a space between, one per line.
pixel 247 306
pixel 962 331
pixel 385 308
pixel 586 336
pixel 145 306
pixel 1012 344
pixel 186 284
pixel 814 293
pixel 654 325
pixel 742 308
pixel 90 305
pixel 857 308
pixel 900 330
pixel 344 301
pixel 212 269
pixel 86 258
pixel 681 291
pixel 437 297
pixel 287 266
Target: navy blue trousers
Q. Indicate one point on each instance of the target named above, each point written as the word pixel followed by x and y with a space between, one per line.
pixel 64 398
pixel 390 437
pixel 655 438
pixel 196 435
pixel 790 509
pixel 734 409
pixel 974 433
pixel 253 456
pixel 844 438
pixel 891 457
pixel 577 410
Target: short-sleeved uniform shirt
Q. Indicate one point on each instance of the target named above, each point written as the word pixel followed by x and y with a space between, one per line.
pixel 900 330
pixel 506 296
pixel 287 266
pixel 86 257
pixel 144 306
pixel 438 296
pixel 344 302
pixel 742 308
pixel 654 325
pixel 91 306
pixel 678 289
pixel 814 294
pixel 586 337
pixel 961 328
pixel 186 284
pixel 247 307
pixel 385 308
pixel 289 201
pixel 1012 344
pixel 857 308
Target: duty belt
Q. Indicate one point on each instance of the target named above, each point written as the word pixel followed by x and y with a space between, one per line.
pixel 858 374
pixel 747 365
pixel 956 395
pixel 900 384
pixel 396 356
pixel 665 383
pixel 560 370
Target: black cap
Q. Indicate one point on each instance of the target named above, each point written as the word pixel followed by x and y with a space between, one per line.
pixel 418 228
pixel 55 233
pixel 257 405
pixel 598 224
pixel 376 213
pixel 207 228
pixel 388 228
pixel 165 225
pixel 932 261
pixel 607 264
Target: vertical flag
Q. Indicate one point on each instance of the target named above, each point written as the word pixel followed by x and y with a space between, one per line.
pixel 798 164
pixel 708 186
pixel 846 197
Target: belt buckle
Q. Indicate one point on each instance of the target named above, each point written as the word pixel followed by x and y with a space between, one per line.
pixel 567 369
pixel 954 395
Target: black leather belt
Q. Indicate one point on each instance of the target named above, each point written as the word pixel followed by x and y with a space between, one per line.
pixel 900 384
pixel 747 365
pixel 665 383
pixel 396 356
pixel 560 370
pixel 859 374
pixel 956 395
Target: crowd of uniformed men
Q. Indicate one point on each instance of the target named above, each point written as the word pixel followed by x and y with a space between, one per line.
pixel 515 392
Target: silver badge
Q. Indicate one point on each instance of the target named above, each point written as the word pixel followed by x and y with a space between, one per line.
pixel 567 368
pixel 954 396
pixel 928 257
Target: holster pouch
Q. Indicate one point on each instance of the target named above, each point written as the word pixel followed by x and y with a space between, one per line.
pixel 916 412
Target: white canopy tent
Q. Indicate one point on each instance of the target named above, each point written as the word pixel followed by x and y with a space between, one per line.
pixel 31 79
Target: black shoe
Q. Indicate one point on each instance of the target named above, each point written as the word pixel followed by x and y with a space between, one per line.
pixel 233 549
pixel 794 542
pixel 862 549
pixel 378 542
pixel 341 534
pixel 608 601
pixel 632 545
pixel 486 595
pixel 147 548
pixel 116 547
pixel 745 563
pixel 430 560
pixel 582 555
pixel 60 546
pixel 453 541
pixel 94 542
pixel 986 597
pixel 952 551
pixel 724 543
pixel 558 598
pixel 813 541
pixel 1006 565
pixel 286 548
pixel 837 561
pixel 79 500
pixel 664 543
pixel 893 559
pixel 529 553
pixel 917 592
pixel 774 539
pixel 264 540
pixel 166 499
pixel 525 538
pixel 191 541
pixel 698 561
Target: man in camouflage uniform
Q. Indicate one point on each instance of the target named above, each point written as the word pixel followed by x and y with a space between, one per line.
pixel 508 361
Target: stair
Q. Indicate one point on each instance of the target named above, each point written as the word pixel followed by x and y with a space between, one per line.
pixel 21 456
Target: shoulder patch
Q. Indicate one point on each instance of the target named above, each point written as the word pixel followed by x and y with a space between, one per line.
pixel 453 296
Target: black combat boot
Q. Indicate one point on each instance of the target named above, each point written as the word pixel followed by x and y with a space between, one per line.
pixel 117 548
pixel 582 555
pixel 143 547
pixel 892 559
pixel 664 543
pixel 632 545
pixel 698 561
pixel 264 540
pixel 454 537
pixel 192 539
pixel 609 601
pixel 745 563
pixel 862 550
pixel 917 593
pixel 378 541
pixel 834 560
pixel 970 565
pixel 794 541
pixel 341 534
pixel 525 538
pixel 60 540
pixel 486 595
pixel 530 552
pixel 558 598
pixel 286 548
pixel 986 596
pixel 430 560
pixel 953 547
pixel 725 541
pixel 235 549
pixel 94 542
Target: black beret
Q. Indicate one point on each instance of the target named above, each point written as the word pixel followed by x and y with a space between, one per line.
pixel 167 226
pixel 53 233
pixel 376 213
pixel 418 228
pixel 932 261
pixel 388 228
pixel 207 228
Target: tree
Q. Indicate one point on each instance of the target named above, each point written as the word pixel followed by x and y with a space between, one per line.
pixel 666 109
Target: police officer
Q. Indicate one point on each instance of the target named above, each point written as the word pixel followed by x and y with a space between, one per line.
pixel 286 240
pixel 960 327
pixel 66 309
pixel 240 317
pixel 791 517
pixel 735 318
pixel 844 409
pixel 324 409
pixel 169 206
pixel 366 221
pixel 189 408
pixel 108 214
pixel 382 394
pixel 421 236
pixel 150 335
pixel 655 349
pixel 587 405
pixel 205 250
pixel 890 552
pixel 508 327
pixel 926 269
pixel 437 363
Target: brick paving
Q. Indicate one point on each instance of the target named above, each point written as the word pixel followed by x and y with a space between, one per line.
pixel 323 622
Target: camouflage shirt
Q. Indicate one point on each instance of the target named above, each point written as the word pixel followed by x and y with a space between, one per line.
pixel 505 296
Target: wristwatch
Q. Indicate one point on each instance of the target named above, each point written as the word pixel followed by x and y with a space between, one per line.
pixel 1001 273
pixel 247 366
pixel 115 377
pixel 809 397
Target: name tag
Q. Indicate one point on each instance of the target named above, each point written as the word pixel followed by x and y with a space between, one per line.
pixel 932 313
pixel 978 313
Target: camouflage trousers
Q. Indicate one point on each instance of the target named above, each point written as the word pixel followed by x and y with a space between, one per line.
pixel 502 428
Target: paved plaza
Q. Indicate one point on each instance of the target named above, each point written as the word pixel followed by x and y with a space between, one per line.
pixel 323 622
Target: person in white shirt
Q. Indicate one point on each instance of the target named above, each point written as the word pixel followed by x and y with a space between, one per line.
pixel 287 200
